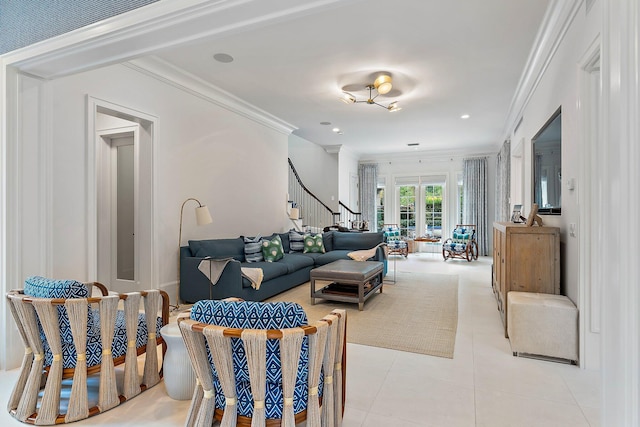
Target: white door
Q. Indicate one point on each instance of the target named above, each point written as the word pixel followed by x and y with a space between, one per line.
pixel 117 210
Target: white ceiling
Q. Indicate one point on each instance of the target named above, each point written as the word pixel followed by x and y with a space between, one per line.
pixel 447 58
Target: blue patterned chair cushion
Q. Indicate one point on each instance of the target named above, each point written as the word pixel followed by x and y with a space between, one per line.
pixel 396 244
pixel 94 343
pixel 41 287
pixel 454 247
pixel 462 235
pixel 391 233
pixel 258 315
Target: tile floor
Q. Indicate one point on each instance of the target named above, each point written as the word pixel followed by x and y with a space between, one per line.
pixel 483 385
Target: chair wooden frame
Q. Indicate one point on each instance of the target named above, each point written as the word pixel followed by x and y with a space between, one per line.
pixel 327 349
pixel 37 395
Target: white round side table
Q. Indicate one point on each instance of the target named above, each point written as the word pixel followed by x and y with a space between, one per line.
pixel 179 378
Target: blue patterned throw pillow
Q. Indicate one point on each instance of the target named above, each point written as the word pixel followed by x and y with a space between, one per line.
pixel 272 249
pixel 296 241
pixel 313 244
pixel 253 249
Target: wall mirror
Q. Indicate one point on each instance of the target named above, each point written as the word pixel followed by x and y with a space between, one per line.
pixel 547 166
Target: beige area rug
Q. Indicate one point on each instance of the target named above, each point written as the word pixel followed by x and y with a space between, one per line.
pixel 418 314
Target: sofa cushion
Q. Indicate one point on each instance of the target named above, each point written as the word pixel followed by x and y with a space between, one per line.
pixel 327 241
pixel 253 249
pixel 334 255
pixel 313 243
pixel 272 249
pixel 295 262
pixel 296 241
pixel 218 248
pixel 355 241
pixel 271 270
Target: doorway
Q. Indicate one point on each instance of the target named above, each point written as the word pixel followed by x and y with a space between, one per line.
pixel 121 228
pixel 117 215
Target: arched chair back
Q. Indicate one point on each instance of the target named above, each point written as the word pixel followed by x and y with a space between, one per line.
pixel 68 334
pixel 262 363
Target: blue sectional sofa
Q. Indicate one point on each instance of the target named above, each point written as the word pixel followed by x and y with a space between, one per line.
pixel 290 271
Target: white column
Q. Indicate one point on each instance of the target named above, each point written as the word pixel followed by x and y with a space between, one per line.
pixel 620 206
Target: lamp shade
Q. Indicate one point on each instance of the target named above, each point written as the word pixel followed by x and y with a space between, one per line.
pixel 203 216
pixel 383 84
pixel 294 214
pixel 347 98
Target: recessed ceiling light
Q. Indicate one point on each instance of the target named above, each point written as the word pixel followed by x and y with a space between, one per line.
pixel 465 116
pixel 336 130
pixel 223 57
pixel 325 123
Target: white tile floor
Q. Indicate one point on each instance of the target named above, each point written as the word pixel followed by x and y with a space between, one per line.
pixel 483 385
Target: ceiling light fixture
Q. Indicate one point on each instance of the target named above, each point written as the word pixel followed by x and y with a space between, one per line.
pixel 381 85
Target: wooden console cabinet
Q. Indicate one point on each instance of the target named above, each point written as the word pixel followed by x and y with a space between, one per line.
pixel 525 259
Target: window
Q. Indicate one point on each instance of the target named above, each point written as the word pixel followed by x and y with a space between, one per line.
pixel 380 206
pixel 407 210
pixel 422 205
pixel 433 209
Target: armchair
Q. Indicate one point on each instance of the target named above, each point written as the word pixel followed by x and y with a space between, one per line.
pixel 70 335
pixel 462 244
pixel 395 243
pixel 265 364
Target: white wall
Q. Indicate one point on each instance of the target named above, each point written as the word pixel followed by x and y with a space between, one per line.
pixel 317 169
pixel 348 168
pixel 232 164
pixel 558 87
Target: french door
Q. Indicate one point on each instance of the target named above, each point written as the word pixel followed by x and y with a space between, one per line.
pixel 421 205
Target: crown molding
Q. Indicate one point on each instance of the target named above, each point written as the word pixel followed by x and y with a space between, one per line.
pixel 429 156
pixel 332 149
pixel 554 27
pixel 151 28
pixel 170 74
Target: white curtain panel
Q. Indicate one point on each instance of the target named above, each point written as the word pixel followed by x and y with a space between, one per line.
pixel 474 181
pixel 368 177
pixel 503 183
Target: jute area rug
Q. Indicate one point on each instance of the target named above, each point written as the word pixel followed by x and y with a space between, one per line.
pixel 418 314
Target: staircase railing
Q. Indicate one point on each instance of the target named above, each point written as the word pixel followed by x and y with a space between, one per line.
pixel 348 216
pixel 313 212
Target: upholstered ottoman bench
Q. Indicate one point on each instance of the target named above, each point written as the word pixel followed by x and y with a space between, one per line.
pixel 542 324
pixel 351 281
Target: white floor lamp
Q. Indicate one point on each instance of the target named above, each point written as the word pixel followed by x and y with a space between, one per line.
pixel 203 217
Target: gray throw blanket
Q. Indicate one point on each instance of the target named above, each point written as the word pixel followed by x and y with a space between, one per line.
pixel 213 268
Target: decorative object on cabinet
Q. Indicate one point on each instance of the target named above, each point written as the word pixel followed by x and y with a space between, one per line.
pixel 533 216
pixel 525 259
pixel 516 216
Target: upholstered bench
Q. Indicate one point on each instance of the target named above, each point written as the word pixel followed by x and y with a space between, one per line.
pixel 542 324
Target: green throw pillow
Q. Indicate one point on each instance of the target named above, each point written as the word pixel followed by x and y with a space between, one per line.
pixel 313 244
pixel 272 249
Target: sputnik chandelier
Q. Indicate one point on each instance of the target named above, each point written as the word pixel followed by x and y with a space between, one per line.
pixel 381 86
